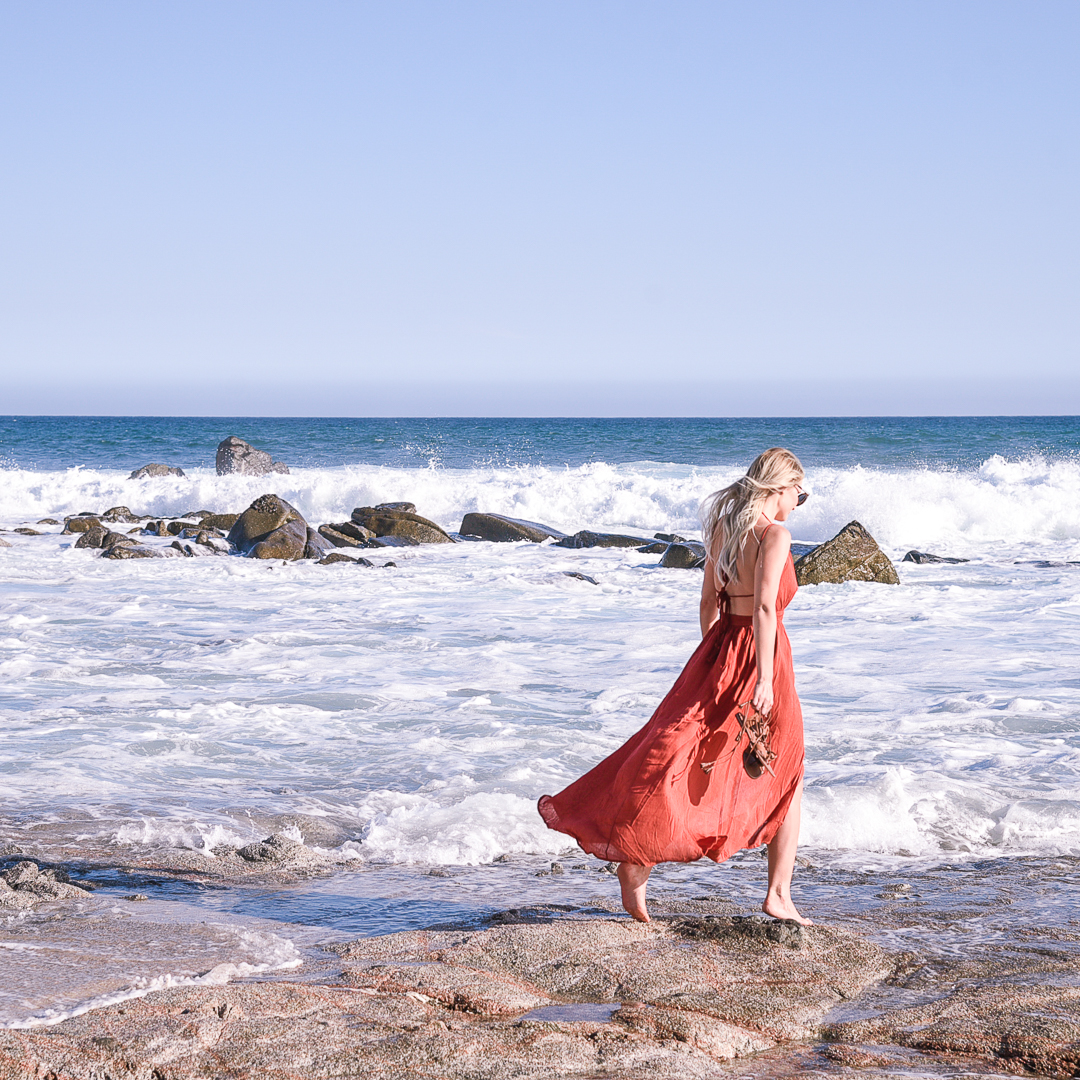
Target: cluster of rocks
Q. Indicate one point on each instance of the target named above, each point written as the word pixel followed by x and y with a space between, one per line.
pixel 26 885
pixel 233 456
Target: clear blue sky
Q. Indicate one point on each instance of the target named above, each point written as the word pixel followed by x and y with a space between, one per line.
pixel 540 208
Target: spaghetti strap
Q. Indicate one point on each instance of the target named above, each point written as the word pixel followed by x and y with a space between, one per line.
pixel 760 540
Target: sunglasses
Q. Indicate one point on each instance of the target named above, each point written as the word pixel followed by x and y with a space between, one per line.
pixel 803 496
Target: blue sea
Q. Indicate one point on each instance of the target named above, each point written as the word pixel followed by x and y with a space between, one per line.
pixel 404 720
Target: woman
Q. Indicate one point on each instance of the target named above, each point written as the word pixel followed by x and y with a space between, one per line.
pixel 688 784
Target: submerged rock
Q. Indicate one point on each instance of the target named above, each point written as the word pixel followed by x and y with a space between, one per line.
pixel 587 539
pixel 120 514
pixel 156 469
pixel 921 557
pixel 338 557
pixel 851 555
pixel 503 530
pixel 270 528
pixel 4 543
pixel 236 456
pixel 384 521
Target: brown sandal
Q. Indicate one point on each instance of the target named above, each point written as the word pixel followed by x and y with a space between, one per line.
pixel 754 724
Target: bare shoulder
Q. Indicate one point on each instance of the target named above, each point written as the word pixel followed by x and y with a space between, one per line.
pixel 776 540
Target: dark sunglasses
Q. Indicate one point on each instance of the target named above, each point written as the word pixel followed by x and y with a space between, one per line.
pixel 803 496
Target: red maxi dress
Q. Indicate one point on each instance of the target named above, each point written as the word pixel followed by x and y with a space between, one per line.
pixel 651 801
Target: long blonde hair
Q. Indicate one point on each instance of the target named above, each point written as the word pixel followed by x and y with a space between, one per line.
pixel 728 515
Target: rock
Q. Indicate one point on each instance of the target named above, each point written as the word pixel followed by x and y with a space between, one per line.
pixel 155 469
pixel 393 541
pixel 587 539
pixel 337 557
pixel 133 551
pixel 48 521
pixel 407 507
pixel 685 556
pixel 851 555
pixel 279 852
pixel 94 537
pixel 120 514
pixel 80 523
pixel 270 528
pixel 654 547
pixel 581 577
pixel 236 456
pixel 921 557
pixel 347 534
pixel 26 885
pixel 4 543
pixel 504 530
pixel 483 1005
pixel 219 521
pixel 400 523
pixel 317 546
pixel 25 531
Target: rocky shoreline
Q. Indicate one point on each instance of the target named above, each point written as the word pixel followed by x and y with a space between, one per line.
pixel 552 991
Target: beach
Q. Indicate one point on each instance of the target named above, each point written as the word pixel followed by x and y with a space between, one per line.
pixel 397 723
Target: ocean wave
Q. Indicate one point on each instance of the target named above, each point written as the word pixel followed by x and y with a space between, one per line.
pixel 969 512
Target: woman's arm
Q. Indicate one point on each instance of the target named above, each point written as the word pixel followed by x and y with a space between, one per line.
pixel 775 546
pixel 708 609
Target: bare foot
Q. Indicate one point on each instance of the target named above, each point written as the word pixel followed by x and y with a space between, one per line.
pixel 633 878
pixel 781 907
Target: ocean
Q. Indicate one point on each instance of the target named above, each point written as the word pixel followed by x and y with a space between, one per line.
pixel 418 711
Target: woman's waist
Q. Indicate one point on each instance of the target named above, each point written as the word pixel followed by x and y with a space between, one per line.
pixel 748 620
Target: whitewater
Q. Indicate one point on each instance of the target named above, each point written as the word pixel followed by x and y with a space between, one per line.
pixel 419 710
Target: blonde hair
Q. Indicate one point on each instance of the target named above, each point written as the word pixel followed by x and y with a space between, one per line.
pixel 728 515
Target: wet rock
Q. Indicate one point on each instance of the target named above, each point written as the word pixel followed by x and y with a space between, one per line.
pixel 922 557
pixel 155 469
pixel 48 521
pixel 23 530
pixel 236 456
pixel 317 546
pixel 94 537
pixel 393 541
pixel 580 577
pixel 25 885
pixel 686 556
pixel 270 528
pixel 503 530
pixel 851 555
pixel 4 543
pixel 120 514
pixel 80 523
pixel 219 521
pixel 731 928
pixel 347 534
pixel 279 852
pixel 587 539
pixel 134 551
pixel 407 507
pixel 338 557
pixel 404 524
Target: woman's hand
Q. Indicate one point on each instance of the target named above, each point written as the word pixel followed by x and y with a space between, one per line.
pixel 763 697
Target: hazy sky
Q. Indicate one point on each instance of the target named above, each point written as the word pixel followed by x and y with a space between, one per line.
pixel 539 207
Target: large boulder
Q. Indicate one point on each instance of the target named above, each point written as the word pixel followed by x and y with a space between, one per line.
pixel 587 539
pixel 316 546
pixel 80 523
pixel 851 555
pixel 120 514
pixel 270 528
pixel 503 530
pixel 383 521
pixel 236 456
pixel 689 555
pixel 219 521
pixel 156 469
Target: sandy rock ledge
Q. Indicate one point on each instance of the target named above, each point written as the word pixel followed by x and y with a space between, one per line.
pixel 573 997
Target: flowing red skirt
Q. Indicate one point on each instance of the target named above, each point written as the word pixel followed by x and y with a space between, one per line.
pixel 651 801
